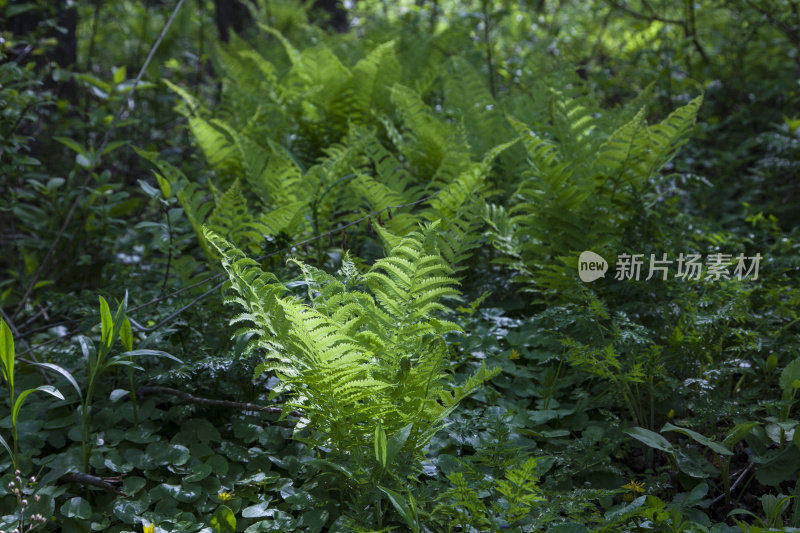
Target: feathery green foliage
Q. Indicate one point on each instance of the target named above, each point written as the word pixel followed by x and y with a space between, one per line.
pixel 588 185
pixel 359 349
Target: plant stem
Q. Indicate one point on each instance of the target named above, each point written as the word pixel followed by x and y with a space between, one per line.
pixel 485 7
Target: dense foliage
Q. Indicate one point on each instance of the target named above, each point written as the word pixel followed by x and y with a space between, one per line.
pixel 282 266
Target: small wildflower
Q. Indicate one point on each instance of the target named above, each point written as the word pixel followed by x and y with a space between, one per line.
pixel 148 528
pixel 671 414
pixel 225 496
pixel 514 355
pixel 634 486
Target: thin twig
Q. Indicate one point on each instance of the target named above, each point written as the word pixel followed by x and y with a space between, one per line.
pixel 190 398
pixel 735 483
pixel 108 484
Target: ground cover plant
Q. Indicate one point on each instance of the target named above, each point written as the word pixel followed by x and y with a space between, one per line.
pixel 416 266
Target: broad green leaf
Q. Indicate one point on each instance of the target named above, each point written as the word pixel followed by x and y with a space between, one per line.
pixel 126 335
pixel 258 510
pixel 705 441
pixel 166 188
pixel 790 374
pixel 691 462
pixel 7 352
pixel 223 520
pixel 119 74
pixel 396 442
pixel 129 510
pixel 106 323
pixel 650 438
pixel 77 507
pixel 739 432
pixel 49 389
pixel 120 316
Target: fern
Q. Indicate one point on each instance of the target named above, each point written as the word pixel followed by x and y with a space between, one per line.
pixel 583 189
pixel 359 348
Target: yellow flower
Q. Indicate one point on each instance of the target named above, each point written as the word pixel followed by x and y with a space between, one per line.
pixel 225 495
pixel 635 486
pixel 148 528
pixel 514 355
pixel 671 414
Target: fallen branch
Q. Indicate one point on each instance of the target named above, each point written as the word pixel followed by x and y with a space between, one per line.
pixel 189 398
pixel 108 484
pixel 735 483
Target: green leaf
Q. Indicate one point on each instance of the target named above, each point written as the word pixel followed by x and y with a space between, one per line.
pixel 789 374
pixel 73 145
pixel 116 394
pixel 129 509
pixel 83 161
pixel 396 442
pixel 151 353
pixel 120 361
pixel 705 441
pixel 119 74
pixel 331 465
pixel 380 445
pixel 49 389
pixel 166 188
pixel 110 147
pixel 223 520
pixel 120 316
pixel 5 445
pixel 163 453
pixel 77 507
pixel 401 507
pixel 692 463
pixel 17 9
pixel 650 438
pixel 63 372
pixel 7 352
pixel 258 510
pixel 126 335
pixel 106 323
pixel 739 432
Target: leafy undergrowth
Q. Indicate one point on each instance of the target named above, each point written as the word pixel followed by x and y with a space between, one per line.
pixel 342 276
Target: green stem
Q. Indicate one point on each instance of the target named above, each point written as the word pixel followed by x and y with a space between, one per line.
pixel 15 458
pixel 726 481
pixel 133 396
pixel 487 41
